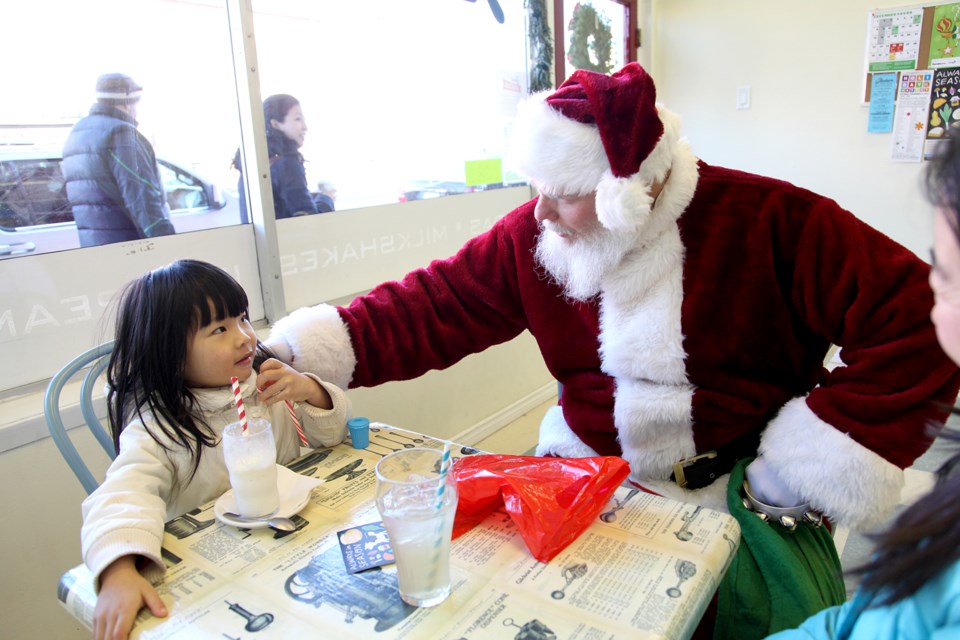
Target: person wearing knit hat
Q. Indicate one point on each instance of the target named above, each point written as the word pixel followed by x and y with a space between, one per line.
pixel 118 88
pixel 686 309
pixel 110 170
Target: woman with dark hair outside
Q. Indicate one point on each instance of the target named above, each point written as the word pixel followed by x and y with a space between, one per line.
pixel 286 131
pixel 911 586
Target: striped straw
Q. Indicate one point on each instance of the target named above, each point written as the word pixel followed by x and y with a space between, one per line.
pixel 444 469
pixel 238 400
pixel 438 540
pixel 296 423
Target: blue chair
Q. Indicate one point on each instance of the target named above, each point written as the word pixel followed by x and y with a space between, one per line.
pixel 97 358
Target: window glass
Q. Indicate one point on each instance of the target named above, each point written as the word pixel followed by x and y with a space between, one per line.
pixel 594 38
pixel 412 105
pixel 179 53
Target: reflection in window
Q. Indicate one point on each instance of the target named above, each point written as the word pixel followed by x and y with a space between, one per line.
pixel 594 38
pixel 413 105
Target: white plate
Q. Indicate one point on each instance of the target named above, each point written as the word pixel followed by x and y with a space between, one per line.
pixel 294 490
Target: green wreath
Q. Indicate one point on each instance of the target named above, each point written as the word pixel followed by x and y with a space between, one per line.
pixel 589 31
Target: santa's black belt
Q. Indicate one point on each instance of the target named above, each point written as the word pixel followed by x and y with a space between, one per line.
pixel 702 469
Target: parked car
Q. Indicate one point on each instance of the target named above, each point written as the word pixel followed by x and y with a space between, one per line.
pixel 35 216
pixel 427 189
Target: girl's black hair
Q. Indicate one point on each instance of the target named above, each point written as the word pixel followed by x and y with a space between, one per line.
pixel 921 542
pixel 943 182
pixel 925 538
pixel 157 314
pixel 277 106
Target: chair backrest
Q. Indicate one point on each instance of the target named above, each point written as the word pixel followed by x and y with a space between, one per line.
pixel 97 358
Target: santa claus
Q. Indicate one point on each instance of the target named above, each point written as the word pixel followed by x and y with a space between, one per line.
pixel 686 309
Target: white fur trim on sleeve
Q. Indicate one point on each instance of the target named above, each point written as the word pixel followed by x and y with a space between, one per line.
pixel 320 342
pixel 852 485
pixel 558 439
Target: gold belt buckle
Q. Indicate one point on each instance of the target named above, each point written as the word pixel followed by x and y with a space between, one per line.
pixel 678 476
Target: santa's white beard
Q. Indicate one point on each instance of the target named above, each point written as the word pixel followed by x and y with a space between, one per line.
pixel 579 263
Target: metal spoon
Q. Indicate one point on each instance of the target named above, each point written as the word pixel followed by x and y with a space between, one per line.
pixel 278 523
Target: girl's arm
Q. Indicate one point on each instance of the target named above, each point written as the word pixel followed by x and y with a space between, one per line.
pixel 123 592
pixel 125 515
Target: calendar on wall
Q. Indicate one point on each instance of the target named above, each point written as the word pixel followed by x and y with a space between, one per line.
pixel 893 39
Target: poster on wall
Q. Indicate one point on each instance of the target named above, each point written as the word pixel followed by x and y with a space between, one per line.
pixel 945 36
pixel 909 121
pixel 883 92
pixel 943 118
pixel 893 39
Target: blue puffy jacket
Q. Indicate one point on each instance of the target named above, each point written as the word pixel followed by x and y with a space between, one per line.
pixel 932 613
pixel 112 180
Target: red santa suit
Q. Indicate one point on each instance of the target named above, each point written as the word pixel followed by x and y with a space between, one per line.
pixel 712 328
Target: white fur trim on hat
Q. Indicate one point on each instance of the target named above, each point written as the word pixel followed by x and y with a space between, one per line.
pixel 320 342
pixel 560 156
pixel 846 481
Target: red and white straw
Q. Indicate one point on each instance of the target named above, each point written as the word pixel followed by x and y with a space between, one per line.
pixel 238 400
pixel 296 422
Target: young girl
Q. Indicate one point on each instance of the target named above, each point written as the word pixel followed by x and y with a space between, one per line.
pixel 911 587
pixel 182 332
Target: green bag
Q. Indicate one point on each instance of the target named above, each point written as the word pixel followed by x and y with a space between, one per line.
pixel 778 578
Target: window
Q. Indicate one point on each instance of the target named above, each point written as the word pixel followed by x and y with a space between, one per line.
pixel 187 112
pixel 414 105
pixel 597 35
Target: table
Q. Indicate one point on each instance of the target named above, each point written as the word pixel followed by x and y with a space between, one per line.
pixel 646 568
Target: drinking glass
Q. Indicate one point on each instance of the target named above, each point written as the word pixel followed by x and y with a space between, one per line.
pixel 251 458
pixel 417 507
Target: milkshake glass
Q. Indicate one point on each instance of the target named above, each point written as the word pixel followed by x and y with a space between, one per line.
pixel 251 458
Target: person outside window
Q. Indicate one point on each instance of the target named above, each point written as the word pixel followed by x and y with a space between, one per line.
pixel 110 170
pixel 286 132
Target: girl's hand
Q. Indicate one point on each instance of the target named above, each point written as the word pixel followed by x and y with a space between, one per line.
pixel 123 591
pixel 278 381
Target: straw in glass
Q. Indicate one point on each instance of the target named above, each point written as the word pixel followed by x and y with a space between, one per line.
pixel 238 400
pixel 296 423
pixel 444 470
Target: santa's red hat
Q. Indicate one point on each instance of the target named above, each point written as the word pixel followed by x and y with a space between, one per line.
pixel 600 133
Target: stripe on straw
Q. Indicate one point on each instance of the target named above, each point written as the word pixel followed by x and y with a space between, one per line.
pixel 296 423
pixel 444 469
pixel 437 535
pixel 238 400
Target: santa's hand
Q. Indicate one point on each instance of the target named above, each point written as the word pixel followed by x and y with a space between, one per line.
pixel 766 485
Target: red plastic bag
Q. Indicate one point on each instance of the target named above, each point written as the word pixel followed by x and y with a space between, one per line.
pixel 551 500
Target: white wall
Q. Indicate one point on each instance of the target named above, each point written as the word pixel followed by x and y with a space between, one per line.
pixel 807 124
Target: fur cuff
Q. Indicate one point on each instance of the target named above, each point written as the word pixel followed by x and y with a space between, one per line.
pixel 850 484
pixel 712 496
pixel 557 439
pixel 320 343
